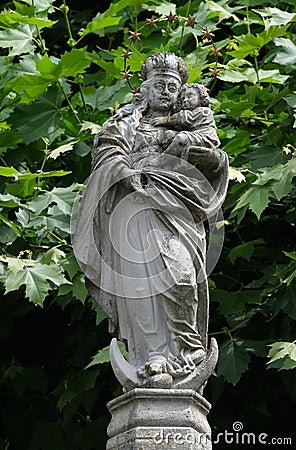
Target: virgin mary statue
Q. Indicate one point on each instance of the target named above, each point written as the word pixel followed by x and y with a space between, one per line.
pixel 140 235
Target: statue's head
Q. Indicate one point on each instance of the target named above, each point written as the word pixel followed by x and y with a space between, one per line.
pixel 164 64
pixel 192 96
pixel 163 75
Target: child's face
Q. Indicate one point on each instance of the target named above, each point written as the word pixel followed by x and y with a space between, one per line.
pixel 190 99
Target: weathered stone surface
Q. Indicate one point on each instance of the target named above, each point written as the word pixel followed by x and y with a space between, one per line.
pixel 158 174
pixel 149 419
pixel 166 438
pixel 129 379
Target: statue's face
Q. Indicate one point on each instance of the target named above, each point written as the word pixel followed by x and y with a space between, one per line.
pixel 163 93
pixel 190 99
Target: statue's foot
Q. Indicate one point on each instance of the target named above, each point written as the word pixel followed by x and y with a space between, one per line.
pixel 155 368
pixel 155 373
pixel 156 364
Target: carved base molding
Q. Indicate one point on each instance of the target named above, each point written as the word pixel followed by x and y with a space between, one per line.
pixel 152 419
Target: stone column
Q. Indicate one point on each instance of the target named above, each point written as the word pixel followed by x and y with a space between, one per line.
pixel 152 419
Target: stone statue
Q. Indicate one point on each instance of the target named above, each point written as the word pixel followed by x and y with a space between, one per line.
pixel 193 115
pixel 157 175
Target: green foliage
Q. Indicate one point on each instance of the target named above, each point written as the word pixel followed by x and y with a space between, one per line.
pixel 34 275
pixel 283 353
pixel 244 250
pixel 103 355
pixel 60 79
pixel 19 39
pixel 234 360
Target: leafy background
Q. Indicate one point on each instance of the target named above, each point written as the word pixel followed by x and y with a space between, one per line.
pixel 60 79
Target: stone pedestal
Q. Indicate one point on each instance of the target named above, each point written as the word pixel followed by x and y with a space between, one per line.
pixel 152 419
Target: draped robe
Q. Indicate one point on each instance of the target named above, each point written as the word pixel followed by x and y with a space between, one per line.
pixel 144 253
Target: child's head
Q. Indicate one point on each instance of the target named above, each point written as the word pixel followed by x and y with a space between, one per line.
pixel 193 95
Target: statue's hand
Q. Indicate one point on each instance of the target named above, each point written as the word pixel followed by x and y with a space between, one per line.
pixel 158 121
pixel 178 145
pixel 173 151
pixel 169 135
pixel 132 180
pixel 136 182
pixel 140 192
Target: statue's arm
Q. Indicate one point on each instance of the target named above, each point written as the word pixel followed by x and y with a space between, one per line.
pixel 111 148
pixel 178 121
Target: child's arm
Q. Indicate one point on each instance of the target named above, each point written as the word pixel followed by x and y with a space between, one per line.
pixel 176 121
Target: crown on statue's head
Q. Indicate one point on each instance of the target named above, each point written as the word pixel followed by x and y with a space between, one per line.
pixel 163 64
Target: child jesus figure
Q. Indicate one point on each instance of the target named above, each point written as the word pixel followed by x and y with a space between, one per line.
pixel 193 121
